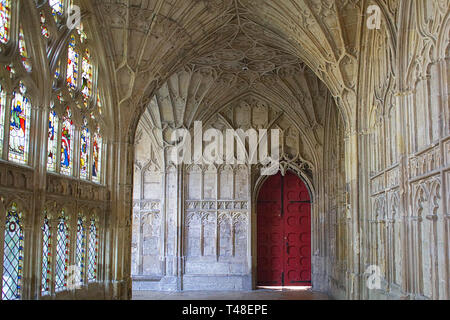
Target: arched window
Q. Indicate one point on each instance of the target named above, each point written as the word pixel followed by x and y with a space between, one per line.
pixel 13 255
pixel 86 87
pixel 85 148
pixel 72 64
pixel 46 257
pixel 97 157
pixel 2 116
pixel 23 51
pixel 19 134
pixel 81 249
pixel 52 145
pixel 93 251
pixel 66 143
pixel 62 253
pixel 5 17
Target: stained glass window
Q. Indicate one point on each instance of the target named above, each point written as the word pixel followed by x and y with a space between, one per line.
pixel 80 30
pixel 23 51
pixel 13 255
pixel 66 143
pixel 97 157
pixel 46 257
pixel 5 17
pixel 57 8
pixel 72 64
pixel 19 130
pixel 44 29
pixel 11 70
pixel 85 150
pixel 56 75
pixel 81 248
pixel 86 87
pixel 62 254
pixel 52 145
pixel 93 251
pixel 2 116
pixel 99 103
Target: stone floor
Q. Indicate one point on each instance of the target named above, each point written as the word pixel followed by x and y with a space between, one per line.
pixel 260 294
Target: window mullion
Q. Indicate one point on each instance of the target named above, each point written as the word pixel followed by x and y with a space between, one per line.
pixel 7 123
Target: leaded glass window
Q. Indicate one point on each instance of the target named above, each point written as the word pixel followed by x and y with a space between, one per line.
pixel 99 104
pixel 2 116
pixel 81 249
pixel 62 254
pixel 46 257
pixel 23 51
pixel 57 8
pixel 81 33
pixel 52 145
pixel 13 255
pixel 97 157
pixel 85 150
pixel 72 64
pixel 5 20
pixel 93 251
pixel 19 130
pixel 44 29
pixel 57 75
pixel 66 143
pixel 86 87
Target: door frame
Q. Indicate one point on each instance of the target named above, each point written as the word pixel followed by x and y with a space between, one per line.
pixel 260 180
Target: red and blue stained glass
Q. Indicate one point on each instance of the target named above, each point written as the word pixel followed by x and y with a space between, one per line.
pixel 5 20
pixel 57 8
pixel 44 30
pixel 52 145
pixel 72 64
pixel 13 255
pixel 97 157
pixel 19 130
pixel 86 87
pixel 66 143
pixel 85 138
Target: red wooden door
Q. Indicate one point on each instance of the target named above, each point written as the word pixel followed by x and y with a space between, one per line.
pixel 284 232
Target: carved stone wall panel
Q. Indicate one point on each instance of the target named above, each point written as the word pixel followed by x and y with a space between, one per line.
pixel 226 183
pixel 151 245
pixel 225 235
pixel 193 232
pixel 195 183
pixel 426 162
pixel 377 184
pixel 209 184
pixel 241 183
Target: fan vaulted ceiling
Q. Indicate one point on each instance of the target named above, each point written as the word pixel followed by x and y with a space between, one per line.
pixel 216 50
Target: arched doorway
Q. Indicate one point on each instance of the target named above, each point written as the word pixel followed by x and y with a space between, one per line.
pixel 284 232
